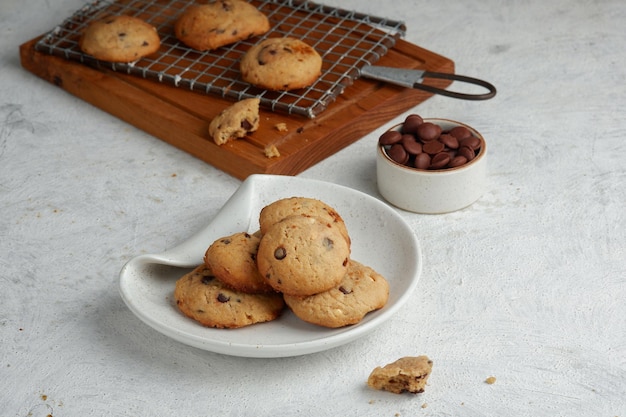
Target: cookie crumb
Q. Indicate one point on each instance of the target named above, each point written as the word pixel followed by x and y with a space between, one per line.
pixel 271 151
pixel 281 127
pixel 424 405
pixel 491 380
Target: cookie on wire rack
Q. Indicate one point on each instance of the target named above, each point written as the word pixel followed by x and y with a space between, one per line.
pixel 218 23
pixel 281 64
pixel 119 38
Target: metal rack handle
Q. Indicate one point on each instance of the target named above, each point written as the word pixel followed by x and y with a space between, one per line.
pixel 411 78
pixel 454 94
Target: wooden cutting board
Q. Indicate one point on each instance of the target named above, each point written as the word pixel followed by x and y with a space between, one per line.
pixel 181 117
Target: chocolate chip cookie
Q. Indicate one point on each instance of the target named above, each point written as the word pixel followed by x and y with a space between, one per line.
pixel 219 23
pixel 201 296
pixel 361 291
pixel 285 207
pixel 233 260
pixel 281 64
pixel 119 39
pixel 302 255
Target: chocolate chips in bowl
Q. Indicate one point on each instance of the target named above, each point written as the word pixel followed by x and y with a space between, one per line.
pixel 431 165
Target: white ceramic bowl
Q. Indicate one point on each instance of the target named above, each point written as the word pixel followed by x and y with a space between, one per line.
pixel 432 191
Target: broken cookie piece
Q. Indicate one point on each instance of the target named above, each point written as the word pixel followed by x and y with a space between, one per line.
pixel 408 374
pixel 271 151
pixel 235 121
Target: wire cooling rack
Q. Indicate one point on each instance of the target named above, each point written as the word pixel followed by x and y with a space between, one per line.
pixel 346 40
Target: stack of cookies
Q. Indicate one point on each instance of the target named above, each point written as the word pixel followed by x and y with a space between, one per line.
pixel 300 257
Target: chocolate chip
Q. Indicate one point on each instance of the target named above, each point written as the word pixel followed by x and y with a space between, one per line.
pixel 411 123
pixel 460 132
pixel 328 243
pixel 280 253
pixel 428 131
pixel 412 146
pixel 440 160
pixel 466 152
pixel 457 161
pixel 390 137
pixel 471 142
pixel 344 290
pixel 223 298
pixel 422 161
pixel 433 147
pixel 226 241
pixel 245 124
pixel 449 140
pixel 206 280
pixel 398 154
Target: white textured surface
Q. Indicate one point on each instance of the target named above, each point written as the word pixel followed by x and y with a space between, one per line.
pixel 528 284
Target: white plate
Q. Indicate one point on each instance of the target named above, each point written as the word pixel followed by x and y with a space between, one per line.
pixel 380 238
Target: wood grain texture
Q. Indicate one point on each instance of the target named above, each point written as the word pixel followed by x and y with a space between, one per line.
pixel 181 117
